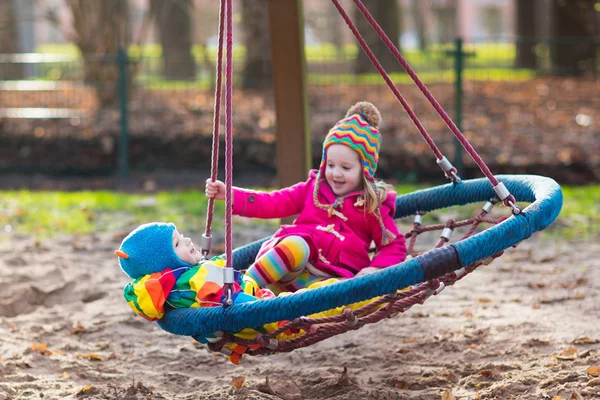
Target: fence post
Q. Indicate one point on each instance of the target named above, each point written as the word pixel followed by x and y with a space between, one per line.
pixel 123 146
pixel 458 99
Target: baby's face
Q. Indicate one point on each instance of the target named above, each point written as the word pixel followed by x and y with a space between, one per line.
pixel 185 250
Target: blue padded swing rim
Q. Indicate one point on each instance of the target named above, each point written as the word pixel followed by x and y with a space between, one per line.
pixel 543 193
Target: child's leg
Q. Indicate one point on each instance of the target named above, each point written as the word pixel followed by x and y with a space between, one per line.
pixel 302 280
pixel 286 259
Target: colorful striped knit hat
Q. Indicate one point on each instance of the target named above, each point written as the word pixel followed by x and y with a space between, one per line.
pixel 359 131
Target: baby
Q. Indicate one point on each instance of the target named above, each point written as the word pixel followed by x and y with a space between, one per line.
pixel 168 270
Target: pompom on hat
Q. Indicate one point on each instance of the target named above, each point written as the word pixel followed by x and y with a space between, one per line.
pixel 149 249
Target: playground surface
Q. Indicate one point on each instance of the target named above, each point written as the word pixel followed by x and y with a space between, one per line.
pixel 524 327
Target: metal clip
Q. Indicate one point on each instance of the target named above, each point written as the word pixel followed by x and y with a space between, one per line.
pixel 440 288
pixel 460 272
pixel 206 244
pixel 448 169
pixel 418 219
pixel 487 261
pixel 446 233
pixel 226 351
pixel 273 343
pixel 487 207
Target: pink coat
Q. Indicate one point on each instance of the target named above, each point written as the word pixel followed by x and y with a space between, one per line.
pixel 340 250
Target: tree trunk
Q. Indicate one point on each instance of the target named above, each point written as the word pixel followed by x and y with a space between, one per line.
pixel 526 33
pixel 387 15
pixel 575 25
pixel 175 34
pixel 9 40
pixel 419 24
pixel 101 27
pixel 258 71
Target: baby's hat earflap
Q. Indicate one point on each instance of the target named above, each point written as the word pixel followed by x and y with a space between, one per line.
pixel 148 249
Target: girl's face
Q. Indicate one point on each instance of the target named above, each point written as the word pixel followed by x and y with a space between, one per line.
pixel 185 250
pixel 343 170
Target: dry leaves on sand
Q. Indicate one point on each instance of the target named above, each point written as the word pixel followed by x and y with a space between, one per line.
pixel 238 381
pixel 286 390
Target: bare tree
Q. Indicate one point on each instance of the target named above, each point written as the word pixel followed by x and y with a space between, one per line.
pixel 100 28
pixel 9 40
pixel 576 26
pixel 526 32
pixel 418 17
pixel 258 71
pixel 175 34
pixel 387 14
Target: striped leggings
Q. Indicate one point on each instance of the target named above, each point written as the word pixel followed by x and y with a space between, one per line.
pixel 281 268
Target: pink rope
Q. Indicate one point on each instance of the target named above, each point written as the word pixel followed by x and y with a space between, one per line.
pixel 228 137
pixel 461 138
pixel 214 169
pixel 388 80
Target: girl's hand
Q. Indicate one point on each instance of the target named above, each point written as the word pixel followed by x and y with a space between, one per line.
pixel 215 190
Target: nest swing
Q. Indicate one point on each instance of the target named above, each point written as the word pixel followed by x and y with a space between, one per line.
pixel 392 290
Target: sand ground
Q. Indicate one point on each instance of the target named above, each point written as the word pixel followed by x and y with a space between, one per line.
pixel 524 327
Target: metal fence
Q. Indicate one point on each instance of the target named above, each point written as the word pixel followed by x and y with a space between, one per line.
pixel 69 96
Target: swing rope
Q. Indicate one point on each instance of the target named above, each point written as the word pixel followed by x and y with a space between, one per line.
pixel 500 189
pixel 388 80
pixel 228 271
pixel 214 169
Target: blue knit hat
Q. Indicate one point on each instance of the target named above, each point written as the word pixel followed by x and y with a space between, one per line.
pixel 148 249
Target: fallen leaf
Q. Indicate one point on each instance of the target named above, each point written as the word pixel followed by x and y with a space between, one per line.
pixel 11 326
pixel 568 354
pixel 575 396
pixel 86 391
pixel 447 395
pixel 39 347
pixel 90 356
pixel 585 340
pixel 594 370
pixel 78 329
pixel 286 390
pixel 238 381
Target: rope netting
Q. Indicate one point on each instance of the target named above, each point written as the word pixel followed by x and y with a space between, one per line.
pixel 314 330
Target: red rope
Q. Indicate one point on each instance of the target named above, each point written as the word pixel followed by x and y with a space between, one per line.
pixel 214 169
pixel 387 79
pixel 457 133
pixel 228 136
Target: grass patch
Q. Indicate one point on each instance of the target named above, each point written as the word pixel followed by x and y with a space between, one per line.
pixel 43 214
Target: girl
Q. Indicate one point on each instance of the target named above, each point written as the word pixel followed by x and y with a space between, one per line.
pixel 341 208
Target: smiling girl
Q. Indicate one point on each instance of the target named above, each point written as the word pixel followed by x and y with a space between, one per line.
pixel 342 211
